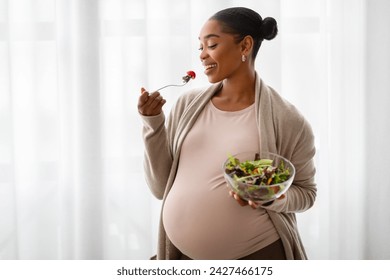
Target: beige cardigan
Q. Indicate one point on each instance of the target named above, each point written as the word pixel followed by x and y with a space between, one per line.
pixel 283 130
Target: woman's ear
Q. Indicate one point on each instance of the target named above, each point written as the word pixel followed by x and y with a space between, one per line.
pixel 247 45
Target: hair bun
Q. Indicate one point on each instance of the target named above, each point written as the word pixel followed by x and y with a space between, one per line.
pixel 269 28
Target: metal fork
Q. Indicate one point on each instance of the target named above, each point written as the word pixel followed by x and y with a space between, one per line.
pixel 186 79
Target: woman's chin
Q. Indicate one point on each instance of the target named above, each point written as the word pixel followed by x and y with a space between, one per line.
pixel 213 80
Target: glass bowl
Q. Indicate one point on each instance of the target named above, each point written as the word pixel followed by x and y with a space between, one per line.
pixel 260 177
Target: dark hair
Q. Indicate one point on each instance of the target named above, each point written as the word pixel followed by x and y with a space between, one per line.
pixel 242 21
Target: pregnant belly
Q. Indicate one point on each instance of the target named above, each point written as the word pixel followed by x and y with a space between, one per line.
pixel 209 224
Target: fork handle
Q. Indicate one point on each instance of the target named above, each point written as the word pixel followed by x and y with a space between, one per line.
pixel 184 82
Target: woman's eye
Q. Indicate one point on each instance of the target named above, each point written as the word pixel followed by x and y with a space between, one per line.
pixel 211 47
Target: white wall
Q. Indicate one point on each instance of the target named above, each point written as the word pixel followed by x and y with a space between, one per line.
pixel 378 129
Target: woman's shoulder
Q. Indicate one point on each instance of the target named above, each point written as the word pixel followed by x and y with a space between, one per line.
pixel 282 106
pixel 284 112
pixel 279 102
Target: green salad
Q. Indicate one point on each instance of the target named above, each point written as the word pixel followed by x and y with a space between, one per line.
pixel 258 178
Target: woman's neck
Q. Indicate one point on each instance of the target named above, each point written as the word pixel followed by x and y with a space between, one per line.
pixel 236 93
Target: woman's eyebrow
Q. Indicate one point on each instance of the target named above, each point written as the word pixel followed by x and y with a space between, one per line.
pixel 209 36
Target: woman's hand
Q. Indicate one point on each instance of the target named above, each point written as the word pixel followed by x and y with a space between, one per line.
pixel 252 204
pixel 150 105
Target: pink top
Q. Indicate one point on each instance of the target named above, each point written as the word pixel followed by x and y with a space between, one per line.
pixel 199 216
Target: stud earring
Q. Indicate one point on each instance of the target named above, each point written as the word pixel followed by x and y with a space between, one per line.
pixel 243 58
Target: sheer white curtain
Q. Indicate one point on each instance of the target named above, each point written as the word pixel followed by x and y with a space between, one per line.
pixel 71 177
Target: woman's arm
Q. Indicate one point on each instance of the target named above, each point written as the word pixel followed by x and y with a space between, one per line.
pixel 157 157
pixel 302 194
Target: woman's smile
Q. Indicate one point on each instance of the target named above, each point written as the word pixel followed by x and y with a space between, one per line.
pixel 209 67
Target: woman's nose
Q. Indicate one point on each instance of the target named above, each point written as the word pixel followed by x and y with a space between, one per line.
pixel 203 55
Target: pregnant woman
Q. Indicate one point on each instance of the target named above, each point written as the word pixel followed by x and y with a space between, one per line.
pixel 238 112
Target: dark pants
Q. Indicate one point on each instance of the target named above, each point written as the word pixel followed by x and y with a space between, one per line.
pixel 274 251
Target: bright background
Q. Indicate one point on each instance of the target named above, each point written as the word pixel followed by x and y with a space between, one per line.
pixel 71 176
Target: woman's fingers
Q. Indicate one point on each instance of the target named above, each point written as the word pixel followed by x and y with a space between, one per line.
pixel 242 202
pixel 143 98
pixel 150 105
pixel 238 199
pixel 158 101
pixel 254 205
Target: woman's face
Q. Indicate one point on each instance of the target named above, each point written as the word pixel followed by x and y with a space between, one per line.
pixel 220 54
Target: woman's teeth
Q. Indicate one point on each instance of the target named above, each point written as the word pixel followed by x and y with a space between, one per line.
pixel 207 67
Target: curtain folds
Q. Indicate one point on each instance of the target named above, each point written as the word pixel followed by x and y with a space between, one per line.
pixel 71 174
